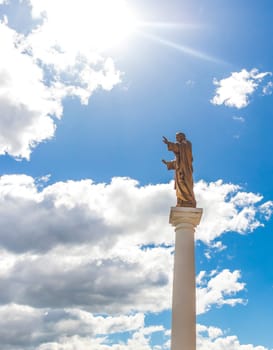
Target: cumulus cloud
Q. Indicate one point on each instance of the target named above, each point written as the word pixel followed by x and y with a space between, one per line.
pixel 85 234
pixel 72 240
pixel 105 213
pixel 236 90
pixel 38 70
pixel 213 338
pixel 110 214
pixel 227 208
pixel 72 52
pixel 29 328
pixel 206 341
pixel 208 338
pixel 73 249
pixel 23 327
pixel 26 103
pixel 218 289
pixel 76 279
pixel 139 340
pixel 114 283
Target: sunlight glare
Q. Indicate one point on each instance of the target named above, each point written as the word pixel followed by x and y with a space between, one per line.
pixel 92 24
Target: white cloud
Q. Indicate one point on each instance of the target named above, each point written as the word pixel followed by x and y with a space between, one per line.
pixel 38 70
pixel 144 281
pixel 138 341
pixel 72 52
pixel 69 329
pixel 70 232
pixel 64 245
pixel 267 209
pixel 111 283
pixel 26 328
pixel 85 234
pixel 111 214
pixel 212 338
pixel 75 342
pixel 218 289
pixel 235 90
pixel 26 103
pixel 208 338
pixel 105 213
pixel 23 327
pixel 227 208
pixel 267 90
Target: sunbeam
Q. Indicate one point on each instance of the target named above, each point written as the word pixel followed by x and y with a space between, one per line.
pixel 185 49
pixel 169 25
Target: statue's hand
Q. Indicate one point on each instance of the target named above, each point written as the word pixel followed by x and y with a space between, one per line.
pixel 165 140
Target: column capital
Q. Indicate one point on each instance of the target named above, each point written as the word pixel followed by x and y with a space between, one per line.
pixel 180 216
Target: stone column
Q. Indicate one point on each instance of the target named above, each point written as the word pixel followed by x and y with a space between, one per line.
pixel 184 295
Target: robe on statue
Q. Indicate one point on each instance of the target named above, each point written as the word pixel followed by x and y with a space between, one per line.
pixel 183 173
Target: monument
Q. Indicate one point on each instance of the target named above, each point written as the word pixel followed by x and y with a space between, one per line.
pixel 184 217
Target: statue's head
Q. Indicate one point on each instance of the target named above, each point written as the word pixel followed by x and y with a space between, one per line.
pixel 180 136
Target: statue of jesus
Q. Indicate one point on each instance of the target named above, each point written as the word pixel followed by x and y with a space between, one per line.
pixel 182 165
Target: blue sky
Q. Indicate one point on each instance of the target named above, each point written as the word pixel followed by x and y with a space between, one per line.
pixel 87 90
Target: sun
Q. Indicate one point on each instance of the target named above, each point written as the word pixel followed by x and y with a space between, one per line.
pixel 89 24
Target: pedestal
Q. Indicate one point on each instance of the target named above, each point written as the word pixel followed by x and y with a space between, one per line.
pixel 183 335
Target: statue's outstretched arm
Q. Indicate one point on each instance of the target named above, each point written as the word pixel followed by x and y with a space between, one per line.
pixel 172 146
pixel 170 165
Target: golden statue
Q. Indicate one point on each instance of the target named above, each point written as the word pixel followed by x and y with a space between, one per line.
pixel 183 170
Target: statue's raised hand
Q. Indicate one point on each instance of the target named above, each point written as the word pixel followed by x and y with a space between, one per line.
pixel 165 140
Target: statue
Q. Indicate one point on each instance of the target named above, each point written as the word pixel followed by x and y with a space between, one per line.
pixel 183 170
